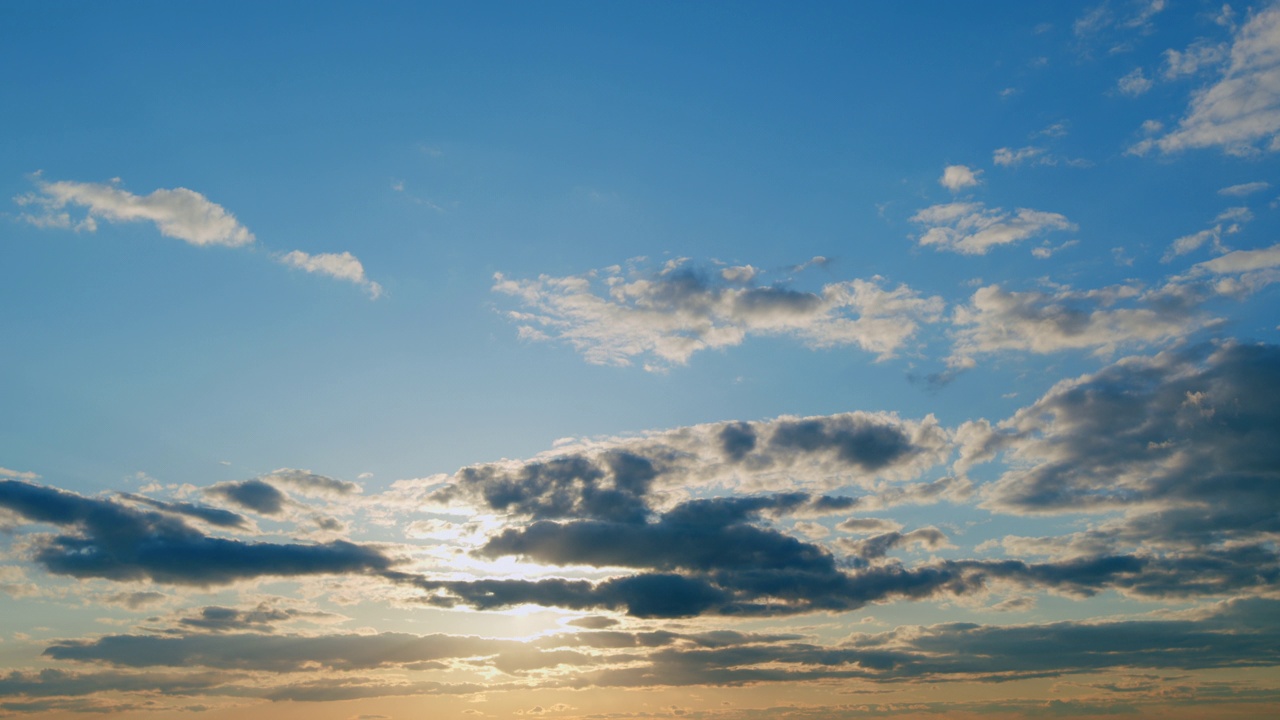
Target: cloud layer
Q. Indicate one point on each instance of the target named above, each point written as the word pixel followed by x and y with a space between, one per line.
pixel 665 317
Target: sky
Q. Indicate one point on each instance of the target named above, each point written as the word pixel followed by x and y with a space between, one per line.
pixel 727 361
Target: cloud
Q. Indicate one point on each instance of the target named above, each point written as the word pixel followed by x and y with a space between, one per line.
pixel 973 229
pixel 254 495
pixel 1180 441
pixel 343 266
pixel 1197 57
pixel 106 539
pixel 667 316
pixel 1008 157
pixel 958 177
pixel 629 479
pixel 1134 83
pixel 1192 242
pixel 306 482
pixel 178 213
pixel 1244 189
pixel 1103 321
pixel 1240 113
pixel 213 516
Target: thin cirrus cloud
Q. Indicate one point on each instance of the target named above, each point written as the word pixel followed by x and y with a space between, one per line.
pixel 1239 113
pixel 665 317
pixel 178 213
pixel 971 228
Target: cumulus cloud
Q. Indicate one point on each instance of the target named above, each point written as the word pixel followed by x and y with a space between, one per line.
pixel 974 229
pixel 958 177
pixel 667 316
pixel 178 213
pixel 1239 113
pixel 342 266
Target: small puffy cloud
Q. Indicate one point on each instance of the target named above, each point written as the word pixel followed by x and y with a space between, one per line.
pixel 178 213
pixel 1239 113
pixel 343 266
pixel 974 229
pixel 667 316
pixel 1134 83
pixel 958 177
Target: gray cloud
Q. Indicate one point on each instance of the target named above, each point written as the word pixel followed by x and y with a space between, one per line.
pixel 254 495
pixel 114 541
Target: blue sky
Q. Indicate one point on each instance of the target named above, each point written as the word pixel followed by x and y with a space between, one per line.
pixel 516 332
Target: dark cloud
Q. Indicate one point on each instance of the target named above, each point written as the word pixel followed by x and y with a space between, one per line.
pixel 737 439
pixel 610 487
pixel 254 495
pixel 1169 429
pixel 211 515
pixel 214 618
pixel 628 480
pixel 275 653
pixel 114 541
pixel 869 445
pixel 701 535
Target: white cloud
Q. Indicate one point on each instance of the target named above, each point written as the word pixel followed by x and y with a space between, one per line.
pixel 7 473
pixel 1188 243
pixel 1134 83
pixel 958 177
pixel 1199 56
pixel 1242 261
pixel 178 213
pixel 1241 111
pixel 343 266
pixel 667 317
pixel 1009 157
pixel 973 229
pixel 1244 189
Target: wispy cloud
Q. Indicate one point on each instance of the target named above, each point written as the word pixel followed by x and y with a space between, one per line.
pixel 970 228
pixel 667 316
pixel 178 213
